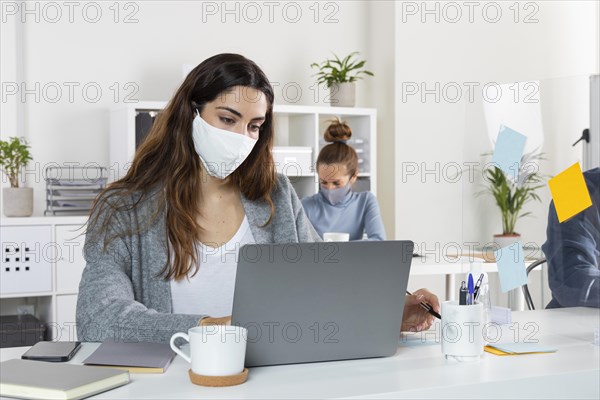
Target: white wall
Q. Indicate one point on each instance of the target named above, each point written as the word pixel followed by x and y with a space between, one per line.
pixel 560 49
pixel 149 54
pixel 10 72
pixel 380 54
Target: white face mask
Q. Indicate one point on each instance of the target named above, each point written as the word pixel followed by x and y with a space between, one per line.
pixel 220 151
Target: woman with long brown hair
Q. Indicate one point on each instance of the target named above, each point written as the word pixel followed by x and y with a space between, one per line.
pixel 161 244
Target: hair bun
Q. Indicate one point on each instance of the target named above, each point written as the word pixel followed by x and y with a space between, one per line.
pixel 337 131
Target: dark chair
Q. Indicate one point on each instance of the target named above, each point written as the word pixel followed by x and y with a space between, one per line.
pixel 525 288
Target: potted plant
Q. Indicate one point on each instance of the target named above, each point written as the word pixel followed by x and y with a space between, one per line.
pixel 14 155
pixel 340 75
pixel 512 194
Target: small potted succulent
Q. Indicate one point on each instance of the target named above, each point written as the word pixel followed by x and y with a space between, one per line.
pixel 512 194
pixel 340 75
pixel 14 155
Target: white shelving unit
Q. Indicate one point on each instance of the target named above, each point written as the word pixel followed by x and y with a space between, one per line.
pixel 41 266
pixel 295 126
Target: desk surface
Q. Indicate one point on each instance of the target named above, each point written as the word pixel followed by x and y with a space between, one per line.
pixel 418 370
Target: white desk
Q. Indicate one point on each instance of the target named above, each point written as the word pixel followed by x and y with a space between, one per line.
pixel 418 370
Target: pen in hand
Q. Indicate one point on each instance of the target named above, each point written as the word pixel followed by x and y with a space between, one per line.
pixel 428 307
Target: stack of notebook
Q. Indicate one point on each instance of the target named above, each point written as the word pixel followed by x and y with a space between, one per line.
pixel 136 357
pixel 513 349
pixel 28 379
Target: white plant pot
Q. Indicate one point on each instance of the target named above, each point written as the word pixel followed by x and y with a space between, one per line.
pixel 506 240
pixel 17 202
pixel 342 94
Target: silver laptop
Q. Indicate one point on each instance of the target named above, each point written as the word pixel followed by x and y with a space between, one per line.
pixel 326 301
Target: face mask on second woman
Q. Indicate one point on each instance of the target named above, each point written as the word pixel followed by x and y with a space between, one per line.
pixel 220 151
pixel 338 195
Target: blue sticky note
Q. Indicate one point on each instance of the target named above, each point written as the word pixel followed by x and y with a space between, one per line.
pixel 511 266
pixel 508 151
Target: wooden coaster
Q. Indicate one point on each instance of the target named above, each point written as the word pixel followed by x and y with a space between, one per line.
pixel 219 381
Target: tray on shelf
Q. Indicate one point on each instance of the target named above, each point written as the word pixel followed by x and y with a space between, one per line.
pixel 71 190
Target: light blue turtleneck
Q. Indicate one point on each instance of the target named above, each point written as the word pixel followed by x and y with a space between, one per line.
pixel 357 214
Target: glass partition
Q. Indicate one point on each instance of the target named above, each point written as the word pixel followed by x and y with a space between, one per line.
pixel 552 113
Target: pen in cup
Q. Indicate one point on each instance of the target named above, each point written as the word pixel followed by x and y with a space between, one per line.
pixel 471 288
pixel 428 307
pixel 477 288
pixel 462 295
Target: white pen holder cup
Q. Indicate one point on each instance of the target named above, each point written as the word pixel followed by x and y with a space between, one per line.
pixel 462 331
pixel 215 350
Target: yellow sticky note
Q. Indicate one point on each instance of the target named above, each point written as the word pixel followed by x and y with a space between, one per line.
pixel 569 192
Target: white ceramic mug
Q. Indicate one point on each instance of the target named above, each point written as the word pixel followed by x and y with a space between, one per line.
pixel 215 350
pixel 462 331
pixel 336 237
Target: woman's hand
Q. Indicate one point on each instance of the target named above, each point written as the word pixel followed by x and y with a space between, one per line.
pixel 415 317
pixel 215 321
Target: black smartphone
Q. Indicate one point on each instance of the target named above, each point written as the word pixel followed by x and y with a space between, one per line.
pixel 52 351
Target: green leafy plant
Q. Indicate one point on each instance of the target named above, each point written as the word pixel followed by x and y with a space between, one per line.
pixel 14 155
pixel 512 194
pixel 332 71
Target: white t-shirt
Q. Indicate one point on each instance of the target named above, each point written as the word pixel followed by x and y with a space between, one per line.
pixel 210 291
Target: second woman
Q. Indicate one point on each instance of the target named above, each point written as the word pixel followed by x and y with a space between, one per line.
pixel 336 208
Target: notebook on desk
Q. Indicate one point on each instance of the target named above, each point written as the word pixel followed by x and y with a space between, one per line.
pixel 25 379
pixel 311 302
pixel 513 349
pixel 135 357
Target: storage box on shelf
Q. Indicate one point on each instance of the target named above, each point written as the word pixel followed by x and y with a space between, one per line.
pixel 298 139
pixel 42 262
pixel 293 160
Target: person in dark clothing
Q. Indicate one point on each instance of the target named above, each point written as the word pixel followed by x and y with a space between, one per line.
pixel 572 249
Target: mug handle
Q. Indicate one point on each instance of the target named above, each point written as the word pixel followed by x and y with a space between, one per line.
pixel 178 350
